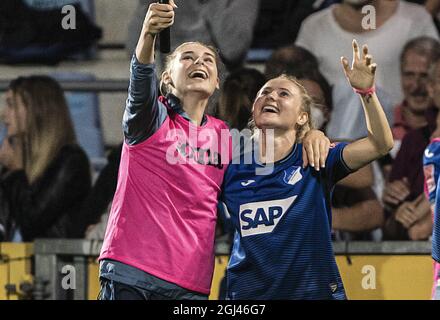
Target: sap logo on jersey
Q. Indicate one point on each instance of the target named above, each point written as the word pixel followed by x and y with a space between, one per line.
pixel 262 217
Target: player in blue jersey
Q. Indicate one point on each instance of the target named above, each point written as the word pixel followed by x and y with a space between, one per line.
pixel 282 219
pixel 431 168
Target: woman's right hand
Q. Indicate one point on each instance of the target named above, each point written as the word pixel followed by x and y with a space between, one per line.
pixel 159 17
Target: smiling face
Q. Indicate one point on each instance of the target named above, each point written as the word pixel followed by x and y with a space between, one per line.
pixel 192 69
pixel 415 80
pixel 279 106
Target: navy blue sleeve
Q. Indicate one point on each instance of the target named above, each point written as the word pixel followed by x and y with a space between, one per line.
pixel 144 114
pixel 431 168
pixel 335 166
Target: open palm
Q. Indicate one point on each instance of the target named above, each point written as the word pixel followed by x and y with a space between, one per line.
pixel 361 74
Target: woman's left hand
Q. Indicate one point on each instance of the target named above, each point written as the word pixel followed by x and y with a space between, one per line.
pixel 315 149
pixel 362 72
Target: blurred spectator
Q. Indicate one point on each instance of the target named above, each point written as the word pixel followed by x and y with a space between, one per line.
pixel 432 6
pixel 292 60
pixel 356 208
pixel 30 35
pixel 408 210
pixel 237 97
pixel 46 174
pixel 227 25
pixel 319 90
pixel 324 31
pixel 279 21
pixel 416 58
pixel 91 221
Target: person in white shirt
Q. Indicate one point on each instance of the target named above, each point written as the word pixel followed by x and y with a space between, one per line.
pixel 396 22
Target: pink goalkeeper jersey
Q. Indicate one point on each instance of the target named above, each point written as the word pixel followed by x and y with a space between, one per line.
pixel 164 211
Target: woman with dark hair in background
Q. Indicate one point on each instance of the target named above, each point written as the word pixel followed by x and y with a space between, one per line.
pixel 46 175
pixel 236 98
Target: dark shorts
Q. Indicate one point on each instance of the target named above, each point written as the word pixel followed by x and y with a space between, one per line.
pixel 112 290
pixel 122 282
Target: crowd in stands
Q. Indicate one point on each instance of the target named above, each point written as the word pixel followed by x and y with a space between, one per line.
pixel 46 189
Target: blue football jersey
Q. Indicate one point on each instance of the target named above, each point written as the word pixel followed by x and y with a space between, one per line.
pixel 431 168
pixel 282 245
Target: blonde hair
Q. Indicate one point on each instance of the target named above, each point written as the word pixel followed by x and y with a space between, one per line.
pixel 166 88
pixel 48 125
pixel 306 106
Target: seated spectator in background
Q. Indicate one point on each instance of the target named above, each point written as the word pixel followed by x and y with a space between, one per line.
pixel 356 209
pixel 227 25
pixel 91 221
pixel 279 21
pixel 46 174
pixel 294 60
pixel 31 35
pixel 396 23
pixel 416 58
pixel 237 95
pixel 321 93
pixel 433 7
pixel 408 210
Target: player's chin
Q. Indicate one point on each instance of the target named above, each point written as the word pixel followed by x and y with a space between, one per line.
pixel 205 88
pixel 266 123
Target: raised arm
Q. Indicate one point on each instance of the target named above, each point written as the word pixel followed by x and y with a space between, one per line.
pixel 379 140
pixel 159 17
pixel 143 114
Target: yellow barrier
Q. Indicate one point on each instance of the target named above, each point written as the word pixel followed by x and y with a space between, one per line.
pixel 378 277
pixel 17 270
pixel 397 277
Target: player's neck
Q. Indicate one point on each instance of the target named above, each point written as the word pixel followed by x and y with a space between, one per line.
pixel 275 146
pixel 194 108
